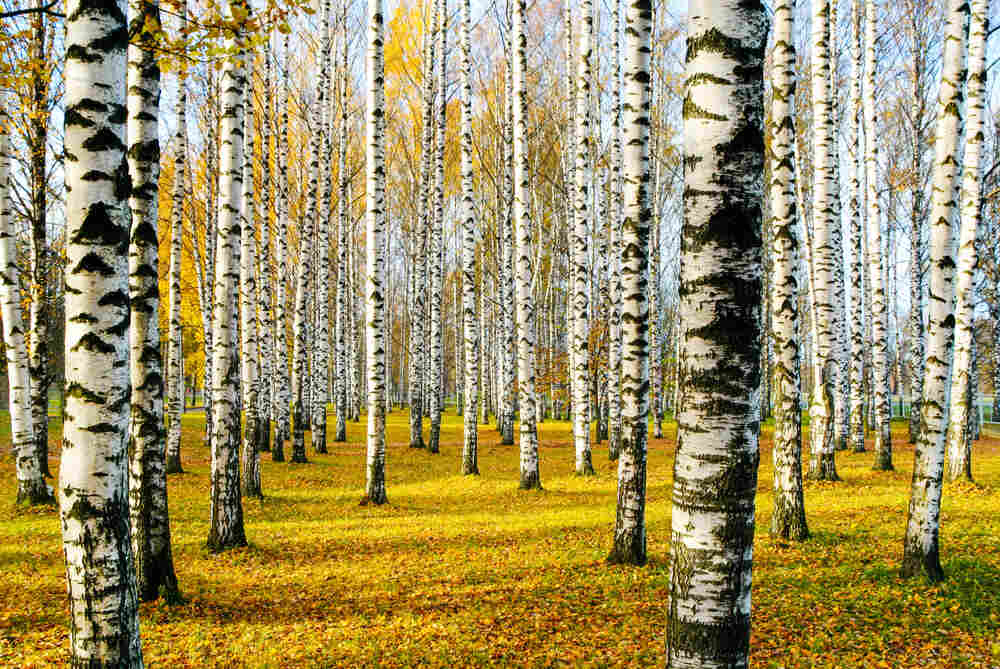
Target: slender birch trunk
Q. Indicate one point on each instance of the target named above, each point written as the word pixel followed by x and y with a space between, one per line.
pixel 879 337
pixel 923 524
pixel 226 528
pixel 614 265
pixel 418 317
pixel 343 370
pixel 856 431
pixel 280 387
pixel 580 247
pixel 375 266
pixel 715 474
pixel 147 481
pixel 434 390
pixel 175 379
pixel 822 465
pixel 530 478
pixel 507 269
pixel 254 424
pixel 93 483
pixel 629 545
pixel 958 445
pixel 470 448
pixel 789 518
pixel 265 275
pixel 31 487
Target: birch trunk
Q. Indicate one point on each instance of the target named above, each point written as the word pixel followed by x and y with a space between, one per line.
pixel 31 486
pixel 175 353
pixel 920 543
pixel 822 465
pixel 614 266
pixel 856 430
pixel 265 275
pixel 226 526
pixel 375 267
pixel 879 337
pixel 343 370
pixel 958 443
pixel 253 428
pixel 93 484
pixel 280 388
pixel 470 448
pixel 580 247
pixel 530 478
pixel 715 473
pixel 437 251
pixel 789 518
pixel 147 481
pixel 629 545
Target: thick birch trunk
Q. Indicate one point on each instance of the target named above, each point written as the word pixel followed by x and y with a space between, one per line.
pixel 715 473
pixel 93 484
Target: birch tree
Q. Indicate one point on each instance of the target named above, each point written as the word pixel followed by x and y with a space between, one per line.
pixel 93 485
pixel 530 478
pixel 280 388
pixel 920 543
pixel 789 518
pixel 822 465
pixel 265 282
pixel 614 260
pixel 375 266
pixel 879 336
pixel 343 375
pixel 175 353
pixel 226 521
pixel 856 429
pixel 580 247
pixel 253 437
pixel 147 481
pixel 959 447
pixel 629 545
pixel 470 440
pixel 434 390
pixel 715 471
pixel 31 487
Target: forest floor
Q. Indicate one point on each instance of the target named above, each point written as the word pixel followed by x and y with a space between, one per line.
pixel 460 571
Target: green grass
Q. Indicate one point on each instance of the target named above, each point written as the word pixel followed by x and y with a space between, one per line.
pixel 462 571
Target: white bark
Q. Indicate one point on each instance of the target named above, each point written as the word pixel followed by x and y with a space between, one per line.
pixel 715 471
pixel 93 485
pixel 959 451
pixel 920 544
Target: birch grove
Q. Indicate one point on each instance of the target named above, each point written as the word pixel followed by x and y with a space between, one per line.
pixel 738 241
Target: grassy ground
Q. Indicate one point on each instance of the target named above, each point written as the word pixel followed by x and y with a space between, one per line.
pixel 471 572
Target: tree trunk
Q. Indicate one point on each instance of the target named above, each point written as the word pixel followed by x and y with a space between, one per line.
pixel 614 267
pixel 879 338
pixel 530 478
pixel 253 427
pixel 958 448
pixel 93 484
pixel 470 442
pixel 375 266
pixel 856 431
pixel 31 487
pixel 789 519
pixel 150 522
pixel 920 544
pixel 175 352
pixel 822 465
pixel 226 525
pixel 434 391
pixel 715 476
pixel 629 545
pixel 280 388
